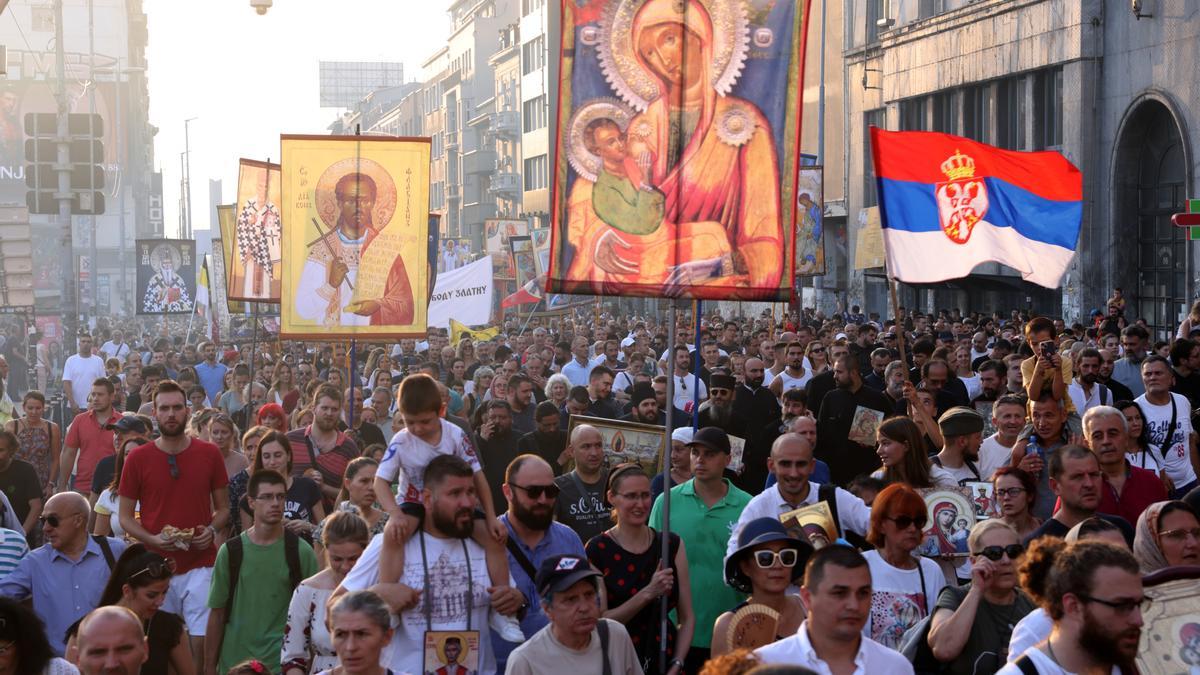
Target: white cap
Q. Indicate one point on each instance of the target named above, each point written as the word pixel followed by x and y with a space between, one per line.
pixel 683 435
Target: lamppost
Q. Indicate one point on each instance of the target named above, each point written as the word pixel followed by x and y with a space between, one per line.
pixel 187 151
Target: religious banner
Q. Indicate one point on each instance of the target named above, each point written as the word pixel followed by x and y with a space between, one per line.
pixel 166 276
pixel 355 236
pixel 524 265
pixel 220 301
pixel 810 240
pixel 678 140
pixel 868 248
pixel 227 222
pixel 257 254
pixel 496 234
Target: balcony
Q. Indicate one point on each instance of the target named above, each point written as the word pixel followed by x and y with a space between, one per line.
pixel 451 140
pixel 506 184
pixel 453 191
pixel 507 123
pixel 479 161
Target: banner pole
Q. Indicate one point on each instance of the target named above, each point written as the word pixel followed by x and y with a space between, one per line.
pixel 665 558
pixel 696 389
pixel 899 319
pixel 352 376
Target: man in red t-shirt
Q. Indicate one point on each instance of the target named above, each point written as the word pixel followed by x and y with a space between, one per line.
pixel 180 487
pixel 87 438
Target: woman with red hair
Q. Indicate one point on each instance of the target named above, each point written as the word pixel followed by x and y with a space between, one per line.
pixel 904 587
pixel 272 416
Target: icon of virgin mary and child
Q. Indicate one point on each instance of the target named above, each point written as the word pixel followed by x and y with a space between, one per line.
pixel 686 191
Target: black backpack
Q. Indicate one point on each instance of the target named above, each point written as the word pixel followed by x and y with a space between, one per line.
pixel 236 550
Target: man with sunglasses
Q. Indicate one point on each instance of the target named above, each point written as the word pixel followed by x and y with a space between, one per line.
pixel 180 482
pixel 533 538
pixel 1094 597
pixel 65 576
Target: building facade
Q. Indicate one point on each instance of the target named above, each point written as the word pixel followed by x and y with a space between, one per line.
pixel 1087 78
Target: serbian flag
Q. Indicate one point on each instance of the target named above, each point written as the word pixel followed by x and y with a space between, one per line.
pixel 529 293
pixel 948 203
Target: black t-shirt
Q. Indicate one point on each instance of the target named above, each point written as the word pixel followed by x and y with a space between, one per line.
pixel 102 475
pixel 20 483
pixel 582 510
pixel 1189 386
pixel 547 446
pixel 302 496
pixel 163 633
pixel 986 650
pixel 1055 528
pixel 846 431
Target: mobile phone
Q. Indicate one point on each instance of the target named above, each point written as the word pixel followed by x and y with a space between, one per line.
pixel 1048 349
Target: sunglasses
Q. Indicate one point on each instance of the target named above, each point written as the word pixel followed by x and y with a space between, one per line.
pixel 536 491
pixel 53 520
pixel 157 569
pixel 905 522
pixel 994 553
pixel 173 466
pixel 786 557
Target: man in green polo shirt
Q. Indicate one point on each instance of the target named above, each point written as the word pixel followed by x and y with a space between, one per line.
pixel 703 512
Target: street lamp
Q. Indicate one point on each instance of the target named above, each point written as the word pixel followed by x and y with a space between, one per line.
pixel 188 175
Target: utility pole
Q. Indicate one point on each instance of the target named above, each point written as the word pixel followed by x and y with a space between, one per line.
pixel 187 150
pixel 70 296
pixel 94 278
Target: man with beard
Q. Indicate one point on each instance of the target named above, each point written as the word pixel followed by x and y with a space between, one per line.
pixel 824 383
pixel 319 451
pixel 1168 425
pixel 496 443
pixel 1108 361
pixel 992 375
pixel 1049 427
pixel 548 440
pixel 679 418
pixel 876 378
pixel 795 375
pixel 645 407
pixel 520 400
pixel 792 463
pixel 1129 489
pixel 441 558
pixel 533 537
pixel 717 411
pixel 753 403
pixel 600 391
pixel 1128 369
pixel 1076 480
pixel 846 425
pixel 962 434
pixel 1185 359
pixel 178 488
pixel 1093 595
pixel 1085 390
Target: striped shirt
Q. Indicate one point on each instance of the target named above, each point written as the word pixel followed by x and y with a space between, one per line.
pixel 12 548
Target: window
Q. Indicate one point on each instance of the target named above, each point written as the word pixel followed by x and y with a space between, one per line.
pixel 1047 108
pixel 536 174
pixel 530 6
pixel 977 107
pixel 945 113
pixel 1010 113
pixel 875 12
pixel 870 196
pixel 912 114
pixel 533 55
pixel 533 114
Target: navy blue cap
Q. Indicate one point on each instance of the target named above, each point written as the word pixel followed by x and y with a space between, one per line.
pixel 755 533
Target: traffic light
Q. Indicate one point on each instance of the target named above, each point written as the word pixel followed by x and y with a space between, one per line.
pixel 85 157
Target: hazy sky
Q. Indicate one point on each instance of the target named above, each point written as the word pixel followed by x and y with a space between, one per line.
pixel 248 78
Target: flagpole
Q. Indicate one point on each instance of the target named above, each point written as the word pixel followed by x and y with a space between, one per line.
pixel 665 557
pixel 188 336
pixel 899 319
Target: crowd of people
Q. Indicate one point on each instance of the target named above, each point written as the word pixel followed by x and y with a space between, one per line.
pixel 445 508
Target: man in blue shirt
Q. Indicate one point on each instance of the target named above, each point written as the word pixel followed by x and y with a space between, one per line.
pixel 66 575
pixel 210 372
pixel 531 492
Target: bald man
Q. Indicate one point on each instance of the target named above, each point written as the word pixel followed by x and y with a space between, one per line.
pixel 66 575
pixel 580 503
pixel 111 642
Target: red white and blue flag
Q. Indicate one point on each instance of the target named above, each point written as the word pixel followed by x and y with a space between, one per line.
pixel 948 203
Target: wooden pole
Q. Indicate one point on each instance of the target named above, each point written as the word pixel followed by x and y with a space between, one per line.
pixel 899 319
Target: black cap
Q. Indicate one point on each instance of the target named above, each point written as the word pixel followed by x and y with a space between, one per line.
pixel 560 572
pixel 722 381
pixel 713 438
pixel 641 392
pixel 126 424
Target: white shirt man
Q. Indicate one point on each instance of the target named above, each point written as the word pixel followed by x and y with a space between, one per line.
pixel 81 370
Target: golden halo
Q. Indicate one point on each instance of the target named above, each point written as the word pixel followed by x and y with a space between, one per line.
pixel 462 640
pixel 585 162
pixel 385 191
pixel 731 44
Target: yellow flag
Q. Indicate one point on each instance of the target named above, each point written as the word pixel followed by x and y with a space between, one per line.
pixel 459 331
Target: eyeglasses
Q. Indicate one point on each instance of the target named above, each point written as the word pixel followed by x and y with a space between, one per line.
pixel 1181 535
pixel 994 553
pixel 173 466
pixel 1009 492
pixel 904 522
pixel 786 557
pixel 536 491
pixel 157 569
pixel 53 520
pixel 1119 606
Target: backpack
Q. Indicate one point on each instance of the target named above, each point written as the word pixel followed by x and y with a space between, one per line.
pixel 106 549
pixel 236 550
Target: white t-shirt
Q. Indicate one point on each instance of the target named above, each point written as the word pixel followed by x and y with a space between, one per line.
pixel 992 456
pixel 974 387
pixel 790 382
pixel 115 351
pixel 410 455
pixel 81 373
pixel 685 392
pixel 1029 631
pixel 448 588
pixel 898 600
pixel 109 504
pixel 1177 460
pixel 1044 664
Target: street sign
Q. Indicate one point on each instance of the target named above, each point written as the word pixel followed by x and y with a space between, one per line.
pixel 1190 220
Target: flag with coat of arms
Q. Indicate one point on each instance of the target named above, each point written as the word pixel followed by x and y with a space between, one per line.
pixel 947 204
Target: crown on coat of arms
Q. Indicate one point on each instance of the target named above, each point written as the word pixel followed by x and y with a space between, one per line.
pixel 958 166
